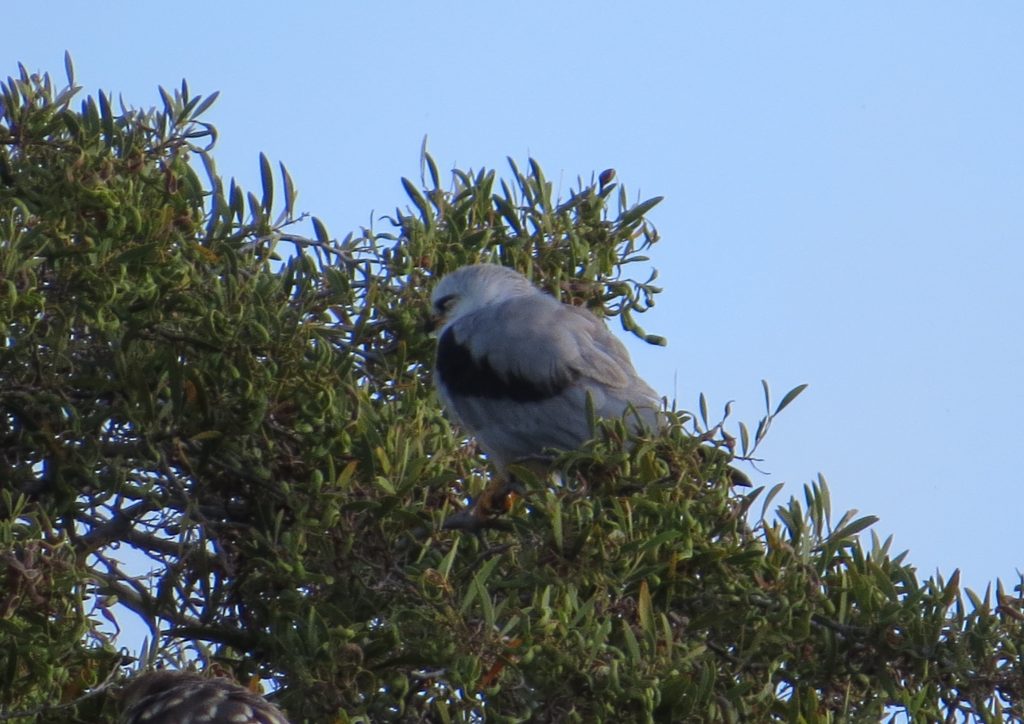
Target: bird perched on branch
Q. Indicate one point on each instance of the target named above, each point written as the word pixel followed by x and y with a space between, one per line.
pixel 515 368
pixel 175 697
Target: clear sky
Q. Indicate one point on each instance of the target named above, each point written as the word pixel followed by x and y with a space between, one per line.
pixel 844 192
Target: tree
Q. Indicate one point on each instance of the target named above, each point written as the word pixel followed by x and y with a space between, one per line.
pixel 250 411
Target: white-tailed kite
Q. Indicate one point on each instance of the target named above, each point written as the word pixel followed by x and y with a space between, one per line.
pixel 515 367
pixel 171 697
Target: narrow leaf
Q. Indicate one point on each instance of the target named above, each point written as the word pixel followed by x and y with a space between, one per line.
pixel 854 528
pixel 645 611
pixel 421 203
pixel 632 647
pixel 449 559
pixel 790 396
pixel 289 191
pixel 508 212
pixel 320 230
pixel 205 104
pixel 69 68
pixel 267 179
pixel 776 489
pixel 637 212
pixel 168 101
pixel 427 161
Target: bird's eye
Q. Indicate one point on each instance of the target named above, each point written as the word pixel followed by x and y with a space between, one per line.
pixel 444 304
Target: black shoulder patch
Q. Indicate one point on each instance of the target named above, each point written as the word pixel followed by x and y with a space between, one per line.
pixel 466 375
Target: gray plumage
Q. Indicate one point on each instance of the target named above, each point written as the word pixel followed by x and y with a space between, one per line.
pixel 515 366
pixel 177 697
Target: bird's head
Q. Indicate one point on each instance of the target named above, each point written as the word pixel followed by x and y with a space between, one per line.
pixel 470 288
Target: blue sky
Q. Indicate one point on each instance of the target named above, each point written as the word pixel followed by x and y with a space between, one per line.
pixel 843 195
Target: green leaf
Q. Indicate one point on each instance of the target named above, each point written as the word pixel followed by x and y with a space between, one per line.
pixel 789 397
pixel 637 212
pixel 427 162
pixel 446 562
pixel 421 203
pixel 289 191
pixel 508 213
pixel 557 531
pixel 645 613
pixel 203 106
pixel 135 254
pixel 106 117
pixel 632 646
pixel 851 530
pixel 167 101
pixel 267 181
pixel 775 490
pixel 320 230
pixel 69 68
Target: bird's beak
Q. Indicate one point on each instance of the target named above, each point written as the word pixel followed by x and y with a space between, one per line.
pixel 432 323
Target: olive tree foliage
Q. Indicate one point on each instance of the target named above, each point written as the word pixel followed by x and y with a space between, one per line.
pixel 229 429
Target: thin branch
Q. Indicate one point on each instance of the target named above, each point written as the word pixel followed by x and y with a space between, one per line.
pixel 116 528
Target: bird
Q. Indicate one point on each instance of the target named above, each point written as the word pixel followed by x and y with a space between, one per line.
pixel 176 697
pixel 518 370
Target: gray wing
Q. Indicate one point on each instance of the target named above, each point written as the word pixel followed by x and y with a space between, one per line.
pixel 517 375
